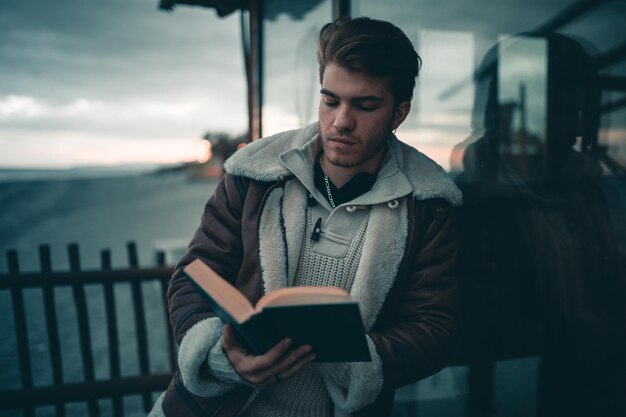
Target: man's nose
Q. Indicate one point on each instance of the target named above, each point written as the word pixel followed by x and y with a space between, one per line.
pixel 344 120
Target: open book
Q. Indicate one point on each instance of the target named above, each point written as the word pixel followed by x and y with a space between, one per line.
pixel 324 317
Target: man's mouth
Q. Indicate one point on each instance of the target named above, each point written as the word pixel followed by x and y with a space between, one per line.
pixel 342 140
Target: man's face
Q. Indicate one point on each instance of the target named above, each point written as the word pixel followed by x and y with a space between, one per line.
pixel 356 116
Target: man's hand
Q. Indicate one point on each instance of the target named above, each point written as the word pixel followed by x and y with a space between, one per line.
pixel 273 366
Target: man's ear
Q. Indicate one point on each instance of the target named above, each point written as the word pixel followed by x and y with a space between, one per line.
pixel 401 112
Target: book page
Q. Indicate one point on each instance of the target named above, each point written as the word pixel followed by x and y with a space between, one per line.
pixel 220 290
pixel 303 295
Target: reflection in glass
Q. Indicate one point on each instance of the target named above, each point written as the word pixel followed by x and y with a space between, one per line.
pixel 290 76
pixel 533 129
pixel 522 97
pixel 540 260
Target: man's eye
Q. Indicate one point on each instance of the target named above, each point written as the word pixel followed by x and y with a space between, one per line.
pixel 330 103
pixel 367 108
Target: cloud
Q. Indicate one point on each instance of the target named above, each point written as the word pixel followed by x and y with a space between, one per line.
pixel 20 107
pixel 190 116
pixel 116 69
pixel 153 53
pixel 23 107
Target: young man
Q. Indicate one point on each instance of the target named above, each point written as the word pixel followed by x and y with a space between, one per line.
pixel 339 203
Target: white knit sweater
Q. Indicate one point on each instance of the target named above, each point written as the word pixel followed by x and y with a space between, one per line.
pixel 330 261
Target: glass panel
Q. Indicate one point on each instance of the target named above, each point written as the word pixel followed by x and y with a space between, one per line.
pixel 443 394
pixel 290 76
pixel 440 118
pixel 533 129
pixel 515 386
pixel 522 98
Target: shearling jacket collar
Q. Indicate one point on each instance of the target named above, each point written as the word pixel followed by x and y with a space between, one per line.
pixel 410 172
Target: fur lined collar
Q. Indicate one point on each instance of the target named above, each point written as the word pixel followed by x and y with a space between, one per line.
pixel 260 160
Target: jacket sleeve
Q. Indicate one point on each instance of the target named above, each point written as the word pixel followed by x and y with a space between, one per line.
pixel 198 331
pixel 217 242
pixel 417 335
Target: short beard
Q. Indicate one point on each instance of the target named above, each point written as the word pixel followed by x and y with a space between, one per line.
pixel 370 152
pixel 342 163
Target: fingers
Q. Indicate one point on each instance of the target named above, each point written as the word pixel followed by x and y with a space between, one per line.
pixel 230 340
pixel 297 364
pixel 269 358
pixel 258 370
pixel 227 341
pixel 288 365
pixel 261 370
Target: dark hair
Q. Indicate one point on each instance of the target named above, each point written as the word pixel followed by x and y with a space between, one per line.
pixel 374 47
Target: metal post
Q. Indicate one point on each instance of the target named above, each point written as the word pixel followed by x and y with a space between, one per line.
pixel 341 8
pixel 254 67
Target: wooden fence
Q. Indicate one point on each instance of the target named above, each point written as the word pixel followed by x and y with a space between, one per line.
pixel 116 386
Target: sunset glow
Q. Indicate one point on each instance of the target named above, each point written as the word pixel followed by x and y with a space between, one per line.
pixel 202 151
pixel 67 150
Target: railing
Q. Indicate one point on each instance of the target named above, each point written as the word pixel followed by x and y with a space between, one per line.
pixel 90 388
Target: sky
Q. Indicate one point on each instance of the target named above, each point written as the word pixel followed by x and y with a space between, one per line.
pixel 86 82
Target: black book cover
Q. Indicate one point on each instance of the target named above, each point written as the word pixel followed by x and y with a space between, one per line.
pixel 335 330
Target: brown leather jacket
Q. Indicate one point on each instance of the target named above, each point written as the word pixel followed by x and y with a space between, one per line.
pixel 414 328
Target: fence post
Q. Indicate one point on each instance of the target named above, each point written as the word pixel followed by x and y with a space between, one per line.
pixel 19 313
pixel 114 348
pixel 80 300
pixel 52 325
pixel 164 283
pixel 140 322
